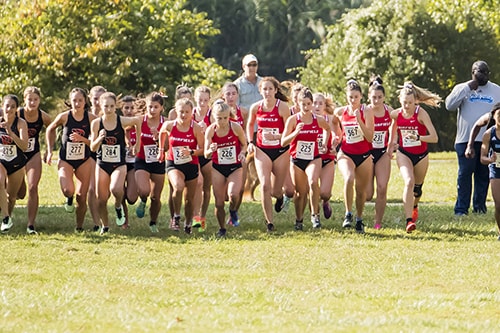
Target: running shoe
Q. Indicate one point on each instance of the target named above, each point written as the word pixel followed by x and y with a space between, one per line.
pixel 120 217
pixel 233 220
pixel 278 205
pixel 140 209
pixel 70 208
pixel 6 224
pixel 360 227
pixel 327 209
pixel 203 224
pixel 221 233
pixel 414 214
pixel 104 230
pixel 299 225
pixel 78 230
pixel 377 226
pixel 315 221
pixel 286 203
pixel 153 227
pixel 347 221
pixel 410 226
pixel 196 222
pixel 30 230
pixel 175 223
pixel 499 238
pixel 270 227
pixel 188 228
pixel 96 228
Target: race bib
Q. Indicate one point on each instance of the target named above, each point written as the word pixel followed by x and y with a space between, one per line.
pixel 179 158
pixel 8 152
pixel 305 150
pixel 274 131
pixel 408 142
pixel 31 145
pixel 151 153
pixel 110 153
pixel 226 155
pixel 128 157
pixel 75 151
pixel 353 134
pixel 378 141
pixel 497 162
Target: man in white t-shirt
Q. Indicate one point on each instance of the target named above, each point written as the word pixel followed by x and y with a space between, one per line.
pixel 472 99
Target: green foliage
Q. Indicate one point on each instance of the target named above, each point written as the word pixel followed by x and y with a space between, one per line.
pixel 276 31
pixel 128 46
pixel 408 42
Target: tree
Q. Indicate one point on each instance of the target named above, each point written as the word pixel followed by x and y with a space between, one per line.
pixel 404 43
pixel 128 46
pixel 276 31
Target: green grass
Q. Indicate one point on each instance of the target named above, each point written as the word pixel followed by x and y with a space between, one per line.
pixel 440 278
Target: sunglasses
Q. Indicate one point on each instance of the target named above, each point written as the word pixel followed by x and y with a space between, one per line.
pixel 252 65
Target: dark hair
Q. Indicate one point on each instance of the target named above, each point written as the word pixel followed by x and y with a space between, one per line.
pixel 12 97
pixel 128 99
pixel 279 92
pixel 353 85
pixel 77 90
pixel 155 97
pixel 182 89
pixel 491 120
pixel 305 93
pixel 376 84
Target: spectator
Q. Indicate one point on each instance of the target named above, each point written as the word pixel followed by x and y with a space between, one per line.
pixel 248 82
pixel 472 99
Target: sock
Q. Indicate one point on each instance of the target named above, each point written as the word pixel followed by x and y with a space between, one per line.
pixel 359 219
pixel 233 214
pixel 408 220
pixel 119 212
pixel 152 223
pixel 69 200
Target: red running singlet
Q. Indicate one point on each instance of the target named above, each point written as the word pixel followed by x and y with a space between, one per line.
pixel 149 148
pixel 381 133
pixel 353 141
pixel 228 148
pixel 305 145
pixel 177 141
pixel 411 126
pixel 269 122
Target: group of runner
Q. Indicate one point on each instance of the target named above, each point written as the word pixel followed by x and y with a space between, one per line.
pixel 203 145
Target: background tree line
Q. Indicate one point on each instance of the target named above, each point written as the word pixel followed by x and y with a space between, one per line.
pixel 136 46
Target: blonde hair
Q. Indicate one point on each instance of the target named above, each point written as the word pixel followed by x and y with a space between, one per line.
pixel 422 95
pixel 202 89
pixel 329 104
pixel 221 106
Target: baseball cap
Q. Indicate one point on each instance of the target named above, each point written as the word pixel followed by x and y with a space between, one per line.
pixel 248 59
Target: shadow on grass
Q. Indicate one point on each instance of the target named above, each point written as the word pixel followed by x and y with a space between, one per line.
pixel 436 223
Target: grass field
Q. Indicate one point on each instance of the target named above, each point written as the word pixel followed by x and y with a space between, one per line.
pixel 441 278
